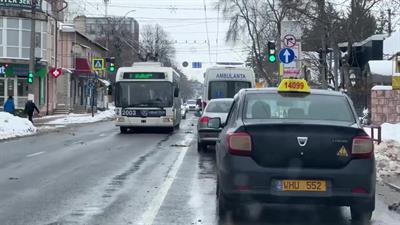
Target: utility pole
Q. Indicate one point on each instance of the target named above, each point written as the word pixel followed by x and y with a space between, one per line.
pixel 389 21
pixel 323 63
pixel 106 2
pixel 33 44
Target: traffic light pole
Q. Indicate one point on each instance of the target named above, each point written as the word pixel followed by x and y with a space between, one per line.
pixel 32 49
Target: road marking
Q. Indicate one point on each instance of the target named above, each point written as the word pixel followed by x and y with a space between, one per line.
pixel 35 154
pixel 155 205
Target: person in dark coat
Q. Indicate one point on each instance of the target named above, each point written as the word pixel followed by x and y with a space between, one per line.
pixel 30 107
pixel 9 105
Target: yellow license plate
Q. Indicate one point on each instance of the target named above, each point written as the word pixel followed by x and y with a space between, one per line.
pixel 304 185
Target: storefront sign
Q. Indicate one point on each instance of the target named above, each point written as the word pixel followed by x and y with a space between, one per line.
pixel 21 4
pixel 2 70
pixel 396 82
pixel 56 72
pixel 10 70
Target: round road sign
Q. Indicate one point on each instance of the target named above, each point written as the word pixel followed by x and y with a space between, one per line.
pixel 289 40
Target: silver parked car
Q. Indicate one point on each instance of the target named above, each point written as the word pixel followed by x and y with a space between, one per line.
pixel 216 108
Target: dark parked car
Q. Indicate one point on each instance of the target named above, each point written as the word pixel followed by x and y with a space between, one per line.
pixel 288 147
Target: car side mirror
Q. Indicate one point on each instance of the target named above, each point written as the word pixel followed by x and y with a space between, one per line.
pixel 176 92
pixel 197 114
pixel 214 123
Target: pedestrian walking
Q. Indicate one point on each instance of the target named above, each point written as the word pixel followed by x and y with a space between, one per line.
pixel 30 107
pixel 9 105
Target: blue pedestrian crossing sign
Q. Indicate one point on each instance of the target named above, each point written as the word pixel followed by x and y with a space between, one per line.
pixel 98 64
pixel 286 55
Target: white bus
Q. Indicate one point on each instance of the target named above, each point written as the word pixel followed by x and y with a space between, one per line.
pixel 226 81
pixel 147 95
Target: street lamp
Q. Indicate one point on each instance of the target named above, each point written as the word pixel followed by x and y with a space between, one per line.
pixel 126 14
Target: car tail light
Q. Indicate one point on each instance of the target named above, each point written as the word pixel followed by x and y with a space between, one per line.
pixel 363 147
pixel 239 144
pixel 359 190
pixel 204 119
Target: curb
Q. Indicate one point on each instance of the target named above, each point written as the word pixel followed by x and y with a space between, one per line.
pixel 393 186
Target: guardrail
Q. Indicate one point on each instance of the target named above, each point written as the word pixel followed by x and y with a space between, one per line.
pixel 379 133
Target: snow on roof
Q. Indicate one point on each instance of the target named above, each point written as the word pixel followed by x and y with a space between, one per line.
pixel 381 88
pixel 391 45
pixel 381 67
pixel 375 37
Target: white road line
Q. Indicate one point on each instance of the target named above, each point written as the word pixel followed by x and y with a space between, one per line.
pixel 155 205
pixel 35 154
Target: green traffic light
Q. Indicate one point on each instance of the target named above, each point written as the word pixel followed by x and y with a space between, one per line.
pixel 111 68
pixel 30 78
pixel 272 58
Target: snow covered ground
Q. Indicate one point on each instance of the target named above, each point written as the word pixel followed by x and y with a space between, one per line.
pixel 387 154
pixel 84 118
pixel 14 126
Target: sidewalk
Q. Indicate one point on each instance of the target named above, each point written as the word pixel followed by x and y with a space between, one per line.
pixel 43 120
pixel 71 118
pixel 393 182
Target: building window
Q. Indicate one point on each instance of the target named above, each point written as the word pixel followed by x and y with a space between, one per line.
pixel 26 24
pixel 22 89
pixel 15 38
pixel 38 40
pixel 12 37
pixel 13 23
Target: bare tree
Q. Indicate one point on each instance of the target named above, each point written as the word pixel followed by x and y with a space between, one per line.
pixel 249 18
pixel 120 41
pixel 155 45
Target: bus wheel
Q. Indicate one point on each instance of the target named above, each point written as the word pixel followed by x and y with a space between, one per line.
pixel 123 130
pixel 201 147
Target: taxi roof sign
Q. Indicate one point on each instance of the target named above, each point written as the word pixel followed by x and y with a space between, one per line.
pixel 294 85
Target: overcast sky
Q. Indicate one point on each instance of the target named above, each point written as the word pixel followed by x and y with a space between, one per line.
pixel 185 21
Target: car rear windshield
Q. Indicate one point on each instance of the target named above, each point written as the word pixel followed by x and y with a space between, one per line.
pixel 191 102
pixel 219 106
pixel 298 106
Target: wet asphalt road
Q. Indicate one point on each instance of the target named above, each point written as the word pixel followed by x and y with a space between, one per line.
pixel 93 175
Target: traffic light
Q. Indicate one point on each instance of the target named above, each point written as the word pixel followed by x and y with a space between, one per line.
pixel 30 77
pixel 111 68
pixel 271 52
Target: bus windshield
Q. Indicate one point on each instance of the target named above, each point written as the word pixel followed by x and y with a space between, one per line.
pixel 144 94
pixel 226 89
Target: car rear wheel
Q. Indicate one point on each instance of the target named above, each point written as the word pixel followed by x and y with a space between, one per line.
pixel 123 130
pixel 222 206
pixel 201 146
pixel 360 215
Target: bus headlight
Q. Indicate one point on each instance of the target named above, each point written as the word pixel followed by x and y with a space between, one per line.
pixel 167 119
pixel 117 112
pixel 120 119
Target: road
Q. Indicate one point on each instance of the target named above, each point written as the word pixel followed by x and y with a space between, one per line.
pixel 94 175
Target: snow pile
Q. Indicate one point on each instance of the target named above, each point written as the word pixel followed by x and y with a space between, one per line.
pixel 13 126
pixel 387 156
pixel 391 131
pixel 85 118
